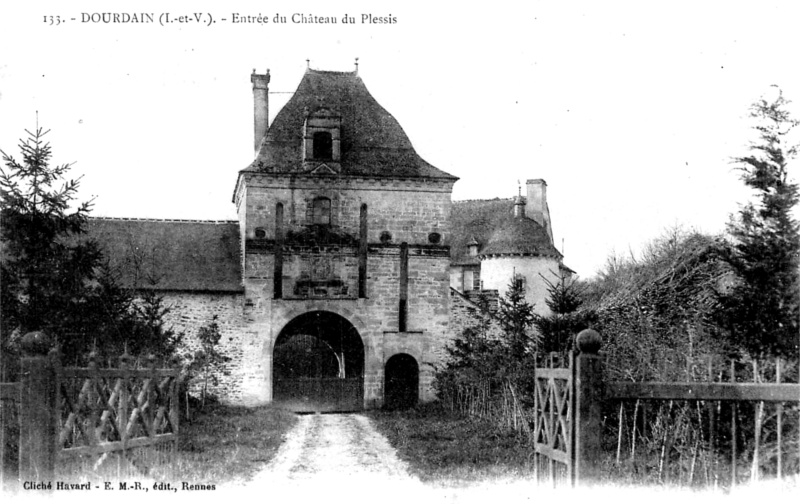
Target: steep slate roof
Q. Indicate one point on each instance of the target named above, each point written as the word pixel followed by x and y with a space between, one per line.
pixel 180 255
pixel 494 227
pixel 372 142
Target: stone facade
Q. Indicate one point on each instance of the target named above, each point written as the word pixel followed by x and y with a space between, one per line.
pixel 346 235
pixel 189 311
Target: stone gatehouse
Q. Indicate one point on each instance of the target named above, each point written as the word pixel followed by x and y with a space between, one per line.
pixel 348 269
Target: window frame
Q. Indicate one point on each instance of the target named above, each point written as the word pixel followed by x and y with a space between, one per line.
pixel 321 211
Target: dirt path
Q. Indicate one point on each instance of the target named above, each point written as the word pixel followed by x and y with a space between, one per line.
pixel 343 458
pixel 333 447
pixel 337 458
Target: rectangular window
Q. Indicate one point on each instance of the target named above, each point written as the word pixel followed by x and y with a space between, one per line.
pixel 469 280
pixel 321 211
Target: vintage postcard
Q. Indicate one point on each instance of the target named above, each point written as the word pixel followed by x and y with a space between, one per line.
pixel 319 249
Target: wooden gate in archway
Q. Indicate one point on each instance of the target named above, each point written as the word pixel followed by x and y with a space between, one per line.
pixel 318 365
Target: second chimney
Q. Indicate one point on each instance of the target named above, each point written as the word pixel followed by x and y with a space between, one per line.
pixel 260 106
pixel 537 204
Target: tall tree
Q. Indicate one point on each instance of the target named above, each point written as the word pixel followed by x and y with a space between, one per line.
pixel 516 319
pixel 53 278
pixel 761 310
pixel 44 272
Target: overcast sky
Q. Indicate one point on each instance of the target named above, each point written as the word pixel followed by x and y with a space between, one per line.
pixel 630 111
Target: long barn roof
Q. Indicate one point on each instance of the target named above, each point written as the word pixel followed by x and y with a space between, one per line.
pixel 172 255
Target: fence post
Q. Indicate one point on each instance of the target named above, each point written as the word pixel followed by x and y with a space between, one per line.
pixel 37 409
pixel 588 376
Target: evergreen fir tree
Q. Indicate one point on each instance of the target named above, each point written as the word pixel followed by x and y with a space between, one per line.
pixel 516 319
pixel 762 308
pixel 53 278
pixel 557 331
pixel 44 271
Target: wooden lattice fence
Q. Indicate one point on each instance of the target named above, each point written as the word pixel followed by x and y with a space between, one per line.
pixel 82 423
pixel 117 417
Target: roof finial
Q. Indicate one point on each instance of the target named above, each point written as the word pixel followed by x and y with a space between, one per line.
pixel 356 65
pixel 519 202
pixel 308 64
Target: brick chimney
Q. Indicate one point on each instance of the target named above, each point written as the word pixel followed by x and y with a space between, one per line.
pixel 537 205
pixel 260 106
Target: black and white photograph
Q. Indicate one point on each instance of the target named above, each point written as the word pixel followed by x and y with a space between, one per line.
pixel 411 251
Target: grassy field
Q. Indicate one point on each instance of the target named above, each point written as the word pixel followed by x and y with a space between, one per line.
pixel 444 449
pixel 229 443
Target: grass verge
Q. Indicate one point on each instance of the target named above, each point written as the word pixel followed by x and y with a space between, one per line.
pixel 446 449
pixel 229 443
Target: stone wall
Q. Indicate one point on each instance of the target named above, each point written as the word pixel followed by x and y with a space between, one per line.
pixel 408 209
pixel 249 332
pixel 374 317
pixel 191 311
pixel 465 313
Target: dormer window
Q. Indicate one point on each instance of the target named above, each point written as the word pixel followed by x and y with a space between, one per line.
pixel 321 137
pixel 472 247
pixel 323 146
pixel 321 211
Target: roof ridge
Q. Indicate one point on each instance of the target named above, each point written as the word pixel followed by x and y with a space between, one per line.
pixel 145 219
pixel 335 72
pixel 482 200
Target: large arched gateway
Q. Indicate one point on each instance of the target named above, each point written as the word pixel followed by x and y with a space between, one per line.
pixel 318 364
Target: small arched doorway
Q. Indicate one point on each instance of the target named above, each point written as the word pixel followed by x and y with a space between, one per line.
pixel 318 364
pixel 401 382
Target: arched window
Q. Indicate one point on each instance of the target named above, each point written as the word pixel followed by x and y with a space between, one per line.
pixel 321 211
pixel 323 145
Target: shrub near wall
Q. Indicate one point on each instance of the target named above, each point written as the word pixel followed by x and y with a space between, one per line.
pixel 488 372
